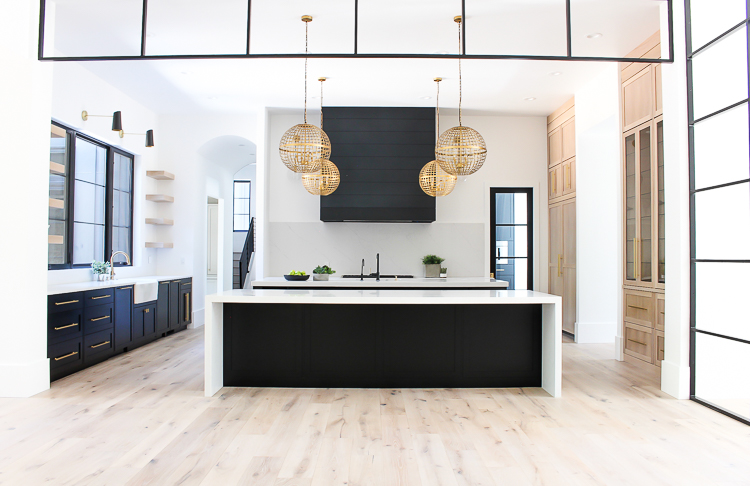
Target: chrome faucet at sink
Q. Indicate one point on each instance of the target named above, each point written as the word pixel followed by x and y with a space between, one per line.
pixel 111 264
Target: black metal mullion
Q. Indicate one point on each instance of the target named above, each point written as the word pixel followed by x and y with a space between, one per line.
pixel 144 18
pixel 722 336
pixel 719 186
pixel 670 27
pixel 716 39
pixel 721 410
pixel 718 112
pixel 463 27
pixel 247 40
pixel 569 29
pixel 109 203
pixel 42 20
pixel 356 25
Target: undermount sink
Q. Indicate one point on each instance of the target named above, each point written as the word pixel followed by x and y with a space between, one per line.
pixel 145 291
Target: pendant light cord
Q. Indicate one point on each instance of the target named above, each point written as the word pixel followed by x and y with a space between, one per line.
pixel 460 86
pixel 306 71
pixel 437 106
pixel 321 103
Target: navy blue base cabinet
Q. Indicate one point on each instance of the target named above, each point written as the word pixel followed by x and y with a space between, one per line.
pixel 86 328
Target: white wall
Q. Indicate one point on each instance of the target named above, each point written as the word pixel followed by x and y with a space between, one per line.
pixel 297 239
pixel 25 90
pixel 598 208
pixel 76 89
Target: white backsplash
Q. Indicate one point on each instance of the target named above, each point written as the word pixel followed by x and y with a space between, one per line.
pixel 303 246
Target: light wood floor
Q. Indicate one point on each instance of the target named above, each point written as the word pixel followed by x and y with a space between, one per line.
pixel 142 419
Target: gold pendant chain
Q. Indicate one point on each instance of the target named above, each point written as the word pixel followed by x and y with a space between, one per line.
pixel 321 102
pixel 460 86
pixel 306 71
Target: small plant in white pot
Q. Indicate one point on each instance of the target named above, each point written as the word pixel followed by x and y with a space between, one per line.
pixel 322 272
pixel 432 265
pixel 100 270
pixel 443 272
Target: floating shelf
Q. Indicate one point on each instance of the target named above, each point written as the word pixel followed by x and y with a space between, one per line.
pixel 160 221
pixel 160 175
pixel 159 244
pixel 55 240
pixel 56 203
pixel 57 168
pixel 57 131
pixel 159 198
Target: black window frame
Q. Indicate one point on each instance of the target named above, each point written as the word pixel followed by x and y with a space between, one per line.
pixel 249 203
pixel 529 191
pixel 73 136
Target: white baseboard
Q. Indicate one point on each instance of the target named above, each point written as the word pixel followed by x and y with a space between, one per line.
pixel 199 318
pixel 24 380
pixel 675 380
pixel 595 332
pixel 619 356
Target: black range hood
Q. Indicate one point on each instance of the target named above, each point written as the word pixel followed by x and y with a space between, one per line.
pixel 379 153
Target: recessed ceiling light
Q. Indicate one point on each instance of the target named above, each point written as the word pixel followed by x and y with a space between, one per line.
pixel 556 73
pixel 425 98
pixel 595 35
pixel 531 98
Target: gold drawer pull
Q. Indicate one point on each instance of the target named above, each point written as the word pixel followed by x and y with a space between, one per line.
pixel 661 312
pixel 176 281
pixel 68 302
pixel 637 342
pixel 97 345
pixel 102 297
pixel 637 307
pixel 187 307
pixel 65 327
pixel 125 288
pixel 66 356
pixel 99 318
pixel 146 310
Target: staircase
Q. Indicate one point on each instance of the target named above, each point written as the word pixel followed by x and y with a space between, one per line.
pixel 243 260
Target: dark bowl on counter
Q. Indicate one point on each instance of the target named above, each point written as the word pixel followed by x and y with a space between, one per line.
pixel 296 278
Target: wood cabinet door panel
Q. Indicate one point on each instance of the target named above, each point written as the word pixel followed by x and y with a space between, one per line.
pixel 658 347
pixel 174 304
pixel 162 308
pixel 123 317
pixel 569 177
pixel 555 182
pixel 637 99
pixel 569 139
pixel 555 250
pixel 638 342
pixel 658 108
pixel 554 147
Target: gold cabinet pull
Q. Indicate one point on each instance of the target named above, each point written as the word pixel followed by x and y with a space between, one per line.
pixel 65 327
pixel 67 356
pixel 100 318
pixel 637 342
pixel 638 307
pixel 100 344
pixel 554 183
pixel 175 281
pixel 125 288
pixel 68 302
pixel 559 269
pixel 566 176
pixel 146 310
pixel 101 297
pixel 187 306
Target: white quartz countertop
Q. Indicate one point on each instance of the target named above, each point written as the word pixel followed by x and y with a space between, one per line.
pixel 373 296
pixel 107 284
pixel 333 282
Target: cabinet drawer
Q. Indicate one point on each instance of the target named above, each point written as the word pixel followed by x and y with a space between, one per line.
pixel 64 302
pixel 660 312
pixel 99 297
pixel 98 344
pixel 639 308
pixel 97 318
pixel 66 325
pixel 65 353
pixel 638 342
pixel 658 347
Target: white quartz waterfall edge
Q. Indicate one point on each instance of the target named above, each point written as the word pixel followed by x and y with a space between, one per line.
pixel 551 318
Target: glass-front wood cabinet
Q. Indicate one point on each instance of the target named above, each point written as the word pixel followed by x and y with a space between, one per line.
pixel 644 205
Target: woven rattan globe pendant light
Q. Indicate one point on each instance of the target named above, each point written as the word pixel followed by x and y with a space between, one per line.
pixel 326 180
pixel 304 147
pixel 461 150
pixel 433 180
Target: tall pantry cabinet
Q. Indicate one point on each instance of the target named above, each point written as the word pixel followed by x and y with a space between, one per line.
pixel 643 208
pixel 561 184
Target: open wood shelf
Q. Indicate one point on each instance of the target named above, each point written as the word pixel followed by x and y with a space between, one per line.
pixel 55 240
pixel 160 221
pixel 161 198
pixel 58 132
pixel 56 203
pixel 56 168
pixel 160 175
pixel 159 244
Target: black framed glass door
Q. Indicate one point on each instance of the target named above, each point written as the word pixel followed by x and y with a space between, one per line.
pixel 511 236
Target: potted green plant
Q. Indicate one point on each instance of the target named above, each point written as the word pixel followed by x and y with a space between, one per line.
pixel 443 272
pixel 100 270
pixel 321 273
pixel 432 265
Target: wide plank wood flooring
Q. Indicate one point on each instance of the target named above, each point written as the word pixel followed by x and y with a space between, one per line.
pixel 141 418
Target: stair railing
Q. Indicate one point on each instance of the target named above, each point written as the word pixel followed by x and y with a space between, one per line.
pixel 247 253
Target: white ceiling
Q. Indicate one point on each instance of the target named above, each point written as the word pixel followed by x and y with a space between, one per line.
pixel 536 27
